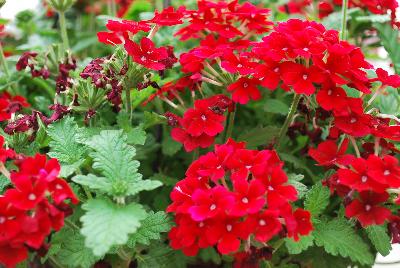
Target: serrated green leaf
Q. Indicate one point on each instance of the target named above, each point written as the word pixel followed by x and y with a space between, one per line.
pixel 152 119
pixel 317 199
pixel 259 136
pixel 333 20
pixel 63 144
pixel 296 247
pixel 379 238
pixel 338 238
pixel 68 169
pixel 106 224
pixel 142 185
pixel 68 247
pixel 112 155
pixel 294 179
pixel 150 229
pixel 136 136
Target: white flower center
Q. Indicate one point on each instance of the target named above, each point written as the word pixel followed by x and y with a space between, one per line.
pixel 276 70
pixel 58 187
pixel 364 178
pixel 239 65
pixel 229 227
pixel 213 206
pixel 306 49
pixel 31 197
pixel 262 222
pixel 201 224
pixel 329 92
pixel 143 58
pixel 245 85
pixel 353 120
pixel 203 117
pixel 2 220
pixel 368 207
pixel 386 172
pixel 305 77
pixel 245 200
pixel 270 188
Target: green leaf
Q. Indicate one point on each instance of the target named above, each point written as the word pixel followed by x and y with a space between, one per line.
pixel 389 38
pixel 112 155
pixel 317 199
pixel 150 229
pixel 4 182
pixel 165 180
pixel 259 136
pixel 106 224
pixel 379 238
pixel 297 163
pixel 68 247
pixel 100 184
pixel 64 145
pixel 169 146
pixel 162 256
pixel 374 18
pixel 276 106
pixel 338 238
pixel 296 247
pixel 333 21
pixel 294 179
pixel 136 136
pixel 152 119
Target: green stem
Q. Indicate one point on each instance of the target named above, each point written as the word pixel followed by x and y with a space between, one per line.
pixel 63 29
pixel 288 120
pixel 230 124
pixel 345 4
pixel 128 102
pixel 5 68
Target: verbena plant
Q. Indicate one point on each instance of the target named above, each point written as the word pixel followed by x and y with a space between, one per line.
pixel 210 134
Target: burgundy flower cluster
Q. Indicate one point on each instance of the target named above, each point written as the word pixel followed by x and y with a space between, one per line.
pixel 33 207
pixel 200 124
pixel 231 194
pixel 326 7
pixel 28 59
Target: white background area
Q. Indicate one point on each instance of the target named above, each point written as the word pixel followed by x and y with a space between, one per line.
pixel 12 7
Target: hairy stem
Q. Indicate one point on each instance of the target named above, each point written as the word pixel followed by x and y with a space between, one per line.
pixel 63 29
pixel 345 4
pixel 288 120
pixel 5 67
pixel 230 123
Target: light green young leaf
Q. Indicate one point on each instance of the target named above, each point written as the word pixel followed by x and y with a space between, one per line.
pixel 294 179
pixel 379 238
pixel 338 238
pixel 296 247
pixel 150 229
pixel 100 184
pixel 112 155
pixel 63 144
pixel 106 224
pixel 317 199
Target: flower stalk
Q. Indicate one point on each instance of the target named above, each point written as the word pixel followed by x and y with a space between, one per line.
pixel 288 120
pixel 345 5
pixel 63 30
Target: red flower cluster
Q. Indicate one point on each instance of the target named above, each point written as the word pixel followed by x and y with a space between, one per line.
pixel 209 210
pixel 33 207
pixel 200 124
pixel 326 7
pixel 10 105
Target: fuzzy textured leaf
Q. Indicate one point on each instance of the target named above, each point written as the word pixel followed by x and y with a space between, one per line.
pixel 100 184
pixel 112 155
pixel 338 238
pixel 317 199
pixel 297 247
pixel 63 144
pixel 150 229
pixel 379 238
pixel 70 251
pixel 106 224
